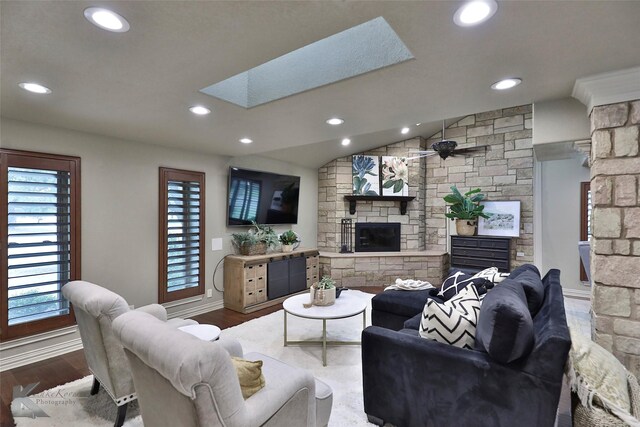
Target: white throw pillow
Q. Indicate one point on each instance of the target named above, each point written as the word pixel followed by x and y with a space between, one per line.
pixel 492 274
pixel 454 321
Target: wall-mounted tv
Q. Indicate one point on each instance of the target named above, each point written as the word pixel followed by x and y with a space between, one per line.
pixel 263 197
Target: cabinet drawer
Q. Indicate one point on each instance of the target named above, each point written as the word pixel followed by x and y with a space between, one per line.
pixel 250 298
pixel 250 285
pixel 255 270
pixel 479 242
pixel 480 253
pixel 261 295
pixel 311 280
pixel 457 261
pixel 261 283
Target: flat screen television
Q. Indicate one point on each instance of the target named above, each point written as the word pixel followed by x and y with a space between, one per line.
pixel 263 197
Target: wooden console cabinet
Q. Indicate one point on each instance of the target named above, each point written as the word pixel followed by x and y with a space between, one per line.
pixel 254 282
pixel 480 252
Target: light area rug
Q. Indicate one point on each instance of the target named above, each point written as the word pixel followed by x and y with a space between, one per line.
pixel 71 404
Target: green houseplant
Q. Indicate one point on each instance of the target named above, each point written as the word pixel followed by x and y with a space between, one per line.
pixel 324 292
pixel 256 241
pixel 465 209
pixel 288 239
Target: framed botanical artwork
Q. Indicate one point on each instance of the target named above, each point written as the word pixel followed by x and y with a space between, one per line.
pixel 365 175
pixel 395 176
pixel 504 219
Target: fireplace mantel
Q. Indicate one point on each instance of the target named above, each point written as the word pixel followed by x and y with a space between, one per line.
pixel 402 199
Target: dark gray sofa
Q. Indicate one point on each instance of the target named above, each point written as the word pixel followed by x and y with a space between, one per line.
pixel 412 382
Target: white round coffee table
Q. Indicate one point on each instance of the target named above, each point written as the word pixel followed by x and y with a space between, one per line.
pixel 204 332
pixel 348 305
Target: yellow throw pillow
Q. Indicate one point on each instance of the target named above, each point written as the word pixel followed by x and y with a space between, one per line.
pixel 250 375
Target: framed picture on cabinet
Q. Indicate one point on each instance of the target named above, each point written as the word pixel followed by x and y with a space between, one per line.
pixel 503 221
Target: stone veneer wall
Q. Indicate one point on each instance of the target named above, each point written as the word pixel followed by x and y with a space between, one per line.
pixel 334 182
pixel 615 263
pixel 503 172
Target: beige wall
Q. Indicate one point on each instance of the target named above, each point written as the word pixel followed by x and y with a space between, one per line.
pixel 503 172
pixel 560 208
pixel 120 204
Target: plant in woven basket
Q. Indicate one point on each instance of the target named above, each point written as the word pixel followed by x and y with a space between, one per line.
pixel 256 241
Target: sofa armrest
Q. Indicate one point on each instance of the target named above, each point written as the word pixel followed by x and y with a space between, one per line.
pixel 232 345
pixel 156 310
pixel 410 381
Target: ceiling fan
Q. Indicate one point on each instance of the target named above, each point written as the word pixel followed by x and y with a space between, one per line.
pixel 445 148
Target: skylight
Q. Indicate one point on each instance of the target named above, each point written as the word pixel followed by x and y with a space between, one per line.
pixel 358 50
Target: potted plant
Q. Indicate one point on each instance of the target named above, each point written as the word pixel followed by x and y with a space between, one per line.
pixel 288 239
pixel 465 209
pixel 324 292
pixel 256 241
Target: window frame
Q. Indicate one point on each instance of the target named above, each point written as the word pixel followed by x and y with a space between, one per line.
pixel 585 187
pixel 36 160
pixel 166 175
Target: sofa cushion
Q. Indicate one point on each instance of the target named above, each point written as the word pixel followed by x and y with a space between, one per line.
pixel 404 303
pixel 533 289
pixel 454 321
pixel 414 322
pixel 521 269
pixel 459 280
pixel 505 327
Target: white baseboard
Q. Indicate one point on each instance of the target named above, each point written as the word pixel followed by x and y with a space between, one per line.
pixel 577 293
pixel 45 352
pixel 194 311
pixel 32 356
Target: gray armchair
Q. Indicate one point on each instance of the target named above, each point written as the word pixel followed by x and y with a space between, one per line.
pixel 184 381
pixel 95 308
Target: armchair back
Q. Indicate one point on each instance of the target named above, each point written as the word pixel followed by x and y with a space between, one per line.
pixel 95 308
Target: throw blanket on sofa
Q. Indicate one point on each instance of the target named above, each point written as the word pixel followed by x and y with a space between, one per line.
pixel 409 285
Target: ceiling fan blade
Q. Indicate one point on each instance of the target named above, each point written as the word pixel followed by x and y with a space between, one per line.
pixel 423 154
pixel 469 149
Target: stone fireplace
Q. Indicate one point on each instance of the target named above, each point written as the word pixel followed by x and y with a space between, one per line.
pixel 377 237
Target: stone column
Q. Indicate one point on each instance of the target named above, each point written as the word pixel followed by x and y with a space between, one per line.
pixel 615 253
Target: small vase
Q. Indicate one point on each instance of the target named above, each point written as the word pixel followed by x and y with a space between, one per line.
pixel 465 227
pixel 322 296
pixel 287 248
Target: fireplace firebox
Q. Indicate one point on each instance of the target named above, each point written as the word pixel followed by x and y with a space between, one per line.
pixel 377 237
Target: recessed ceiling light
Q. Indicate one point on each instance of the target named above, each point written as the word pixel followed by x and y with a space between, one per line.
pixel 418 124
pixel 404 131
pixel 346 141
pixel 475 12
pixel 199 110
pixel 246 140
pixel 335 121
pixel 34 88
pixel 506 84
pixel 106 19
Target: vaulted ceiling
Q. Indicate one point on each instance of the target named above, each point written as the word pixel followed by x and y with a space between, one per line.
pixel 138 85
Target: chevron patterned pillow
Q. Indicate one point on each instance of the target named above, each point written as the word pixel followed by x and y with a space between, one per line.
pixel 491 274
pixel 454 321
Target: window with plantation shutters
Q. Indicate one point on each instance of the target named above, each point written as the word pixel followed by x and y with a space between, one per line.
pixel 181 234
pixel 40 248
pixel 244 200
